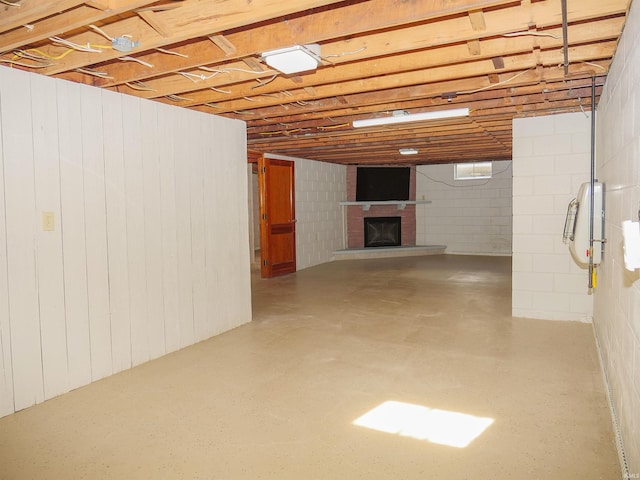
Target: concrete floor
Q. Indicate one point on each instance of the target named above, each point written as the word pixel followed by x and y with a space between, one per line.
pixel 277 398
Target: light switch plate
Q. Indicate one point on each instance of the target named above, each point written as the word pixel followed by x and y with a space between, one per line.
pixel 48 222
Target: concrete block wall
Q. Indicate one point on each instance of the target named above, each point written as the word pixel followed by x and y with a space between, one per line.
pixel 551 158
pixel 468 216
pixel 319 189
pixel 617 297
pixel 356 215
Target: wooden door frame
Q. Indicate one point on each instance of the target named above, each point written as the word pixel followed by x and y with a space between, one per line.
pixel 254 202
pixel 266 269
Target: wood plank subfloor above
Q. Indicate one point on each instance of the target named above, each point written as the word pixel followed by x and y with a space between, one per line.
pixel 373 59
pixel 399 368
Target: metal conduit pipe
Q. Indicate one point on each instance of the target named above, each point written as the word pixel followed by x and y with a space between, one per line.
pixel 565 40
pixel 592 178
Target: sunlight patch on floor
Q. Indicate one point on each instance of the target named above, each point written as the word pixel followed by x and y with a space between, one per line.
pixel 443 427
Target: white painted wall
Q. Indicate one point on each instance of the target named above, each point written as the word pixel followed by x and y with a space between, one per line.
pixel 551 158
pixel 617 298
pixel 468 216
pixel 149 251
pixel 319 187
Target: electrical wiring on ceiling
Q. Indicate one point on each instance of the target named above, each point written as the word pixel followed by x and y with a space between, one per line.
pixel 233 69
pixel 43 58
pixel 219 90
pixel 95 73
pixel 301 104
pixel 343 54
pixel 178 98
pixel 28 55
pixel 101 32
pixel 91 48
pixel 282 132
pixel 211 70
pixel 493 85
pixel 262 83
pixel 138 85
pixel 306 130
pixel 531 34
pixel 242 112
pixel 169 52
pixel 127 58
pixel 195 78
pixel 123 43
pixel 325 58
pixel 333 127
pixel 217 71
pixel 46 55
pixel 493 175
pixel 23 64
pixel 593 65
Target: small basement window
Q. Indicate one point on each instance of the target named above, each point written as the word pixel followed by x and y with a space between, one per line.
pixel 472 171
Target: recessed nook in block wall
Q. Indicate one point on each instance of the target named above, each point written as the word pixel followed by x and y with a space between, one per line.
pixel 357 212
pixel 360 216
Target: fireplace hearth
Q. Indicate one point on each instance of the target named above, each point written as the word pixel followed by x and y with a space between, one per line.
pixel 382 232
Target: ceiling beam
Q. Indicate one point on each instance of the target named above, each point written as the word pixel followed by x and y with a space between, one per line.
pixel 378 65
pixel 483 104
pixel 346 20
pixel 30 12
pixel 515 67
pixel 428 35
pixel 49 24
pixel 195 18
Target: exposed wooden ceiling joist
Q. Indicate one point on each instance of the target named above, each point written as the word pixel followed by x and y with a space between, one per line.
pixel 502 59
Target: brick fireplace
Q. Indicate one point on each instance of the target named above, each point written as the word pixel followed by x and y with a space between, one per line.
pixel 356 214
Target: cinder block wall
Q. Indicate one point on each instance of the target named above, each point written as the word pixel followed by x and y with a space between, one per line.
pixel 468 216
pixel 320 187
pixel 617 298
pixel 551 158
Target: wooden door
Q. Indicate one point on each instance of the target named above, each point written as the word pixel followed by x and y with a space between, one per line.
pixel 277 217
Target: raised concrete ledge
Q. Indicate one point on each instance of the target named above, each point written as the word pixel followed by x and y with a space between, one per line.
pixel 386 252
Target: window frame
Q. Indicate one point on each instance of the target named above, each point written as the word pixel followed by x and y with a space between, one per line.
pixel 474 165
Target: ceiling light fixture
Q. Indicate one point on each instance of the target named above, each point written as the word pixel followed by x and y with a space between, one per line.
pixel 408 151
pixel 298 58
pixel 400 116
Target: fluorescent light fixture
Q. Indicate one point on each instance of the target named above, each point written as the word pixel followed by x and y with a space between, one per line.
pixel 408 151
pixel 298 58
pixel 402 117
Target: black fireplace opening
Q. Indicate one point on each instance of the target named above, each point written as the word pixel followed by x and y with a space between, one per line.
pixel 382 231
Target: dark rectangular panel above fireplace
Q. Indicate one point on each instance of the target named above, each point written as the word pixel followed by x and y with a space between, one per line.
pixel 382 231
pixel 382 183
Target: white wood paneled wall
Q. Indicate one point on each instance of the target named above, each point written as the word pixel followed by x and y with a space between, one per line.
pixel 149 250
